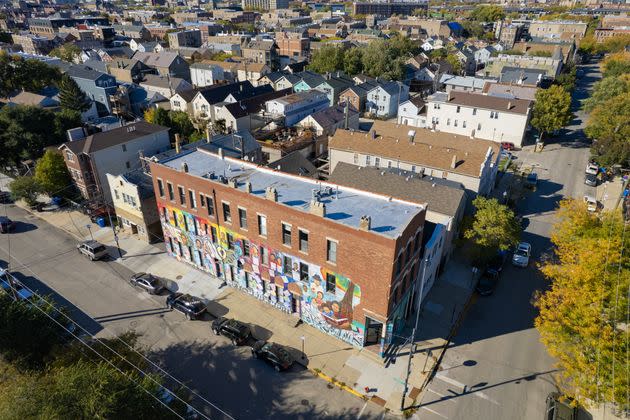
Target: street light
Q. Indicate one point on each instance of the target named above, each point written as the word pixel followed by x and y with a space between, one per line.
pixel 89 228
pixel 303 340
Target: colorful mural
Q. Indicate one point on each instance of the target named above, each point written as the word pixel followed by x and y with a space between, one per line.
pixel 267 274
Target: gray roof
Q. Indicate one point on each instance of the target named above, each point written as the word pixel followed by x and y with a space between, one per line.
pixel 442 197
pixel 390 87
pixel 85 72
pixel 231 144
pixel 294 163
pixel 143 181
pixel 345 206
pixel 161 59
pixel 116 136
pixel 464 81
pixel 516 74
pixel 332 115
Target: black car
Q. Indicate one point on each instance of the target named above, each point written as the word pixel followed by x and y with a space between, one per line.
pixel 272 353
pixel 590 180
pixel 6 224
pixel 559 408
pixel 487 282
pixel 192 307
pixel 147 282
pixel 497 262
pixel 235 330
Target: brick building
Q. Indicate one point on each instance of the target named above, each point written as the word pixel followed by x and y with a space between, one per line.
pixel 293 44
pixel 342 260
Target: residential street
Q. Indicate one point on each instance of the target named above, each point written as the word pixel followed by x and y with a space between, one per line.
pixel 46 258
pixel 497 368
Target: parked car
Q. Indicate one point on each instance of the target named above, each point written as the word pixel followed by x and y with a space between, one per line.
pixel 6 224
pixel 496 263
pixel 506 145
pixel 191 306
pixel 590 180
pixel 488 282
pixel 591 203
pixel 147 282
pixel 559 408
pixel 592 168
pixel 11 286
pixel 92 249
pixel 522 254
pixel 272 353
pixel 532 180
pixel 5 197
pixel 235 330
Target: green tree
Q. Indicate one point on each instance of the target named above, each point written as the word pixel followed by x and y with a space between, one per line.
pixel 455 63
pixel 67 52
pixel 616 65
pixel 352 61
pixel 609 126
pixel 487 13
pixel 567 79
pixel 179 122
pixel 65 120
pixel 156 115
pixel 71 96
pixel 552 109
pixel 582 316
pixel 52 174
pixel 494 227
pixel 327 59
pixel 30 75
pixel 606 89
pixel 26 188
pixel 473 29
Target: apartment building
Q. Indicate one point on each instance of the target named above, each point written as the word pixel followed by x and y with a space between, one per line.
pixel 294 45
pixel 383 100
pixel 265 5
pixel 116 151
pixel 293 108
pixel 279 238
pixel 558 29
pixel 479 116
pixel 388 8
pixel 33 44
pixel 182 39
pixel 432 154
pixel 262 51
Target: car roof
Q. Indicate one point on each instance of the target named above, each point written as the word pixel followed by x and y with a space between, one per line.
pixel 91 243
pixel 524 245
pixel 4 219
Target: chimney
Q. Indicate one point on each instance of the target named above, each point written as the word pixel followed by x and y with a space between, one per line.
pixel 454 162
pixel 221 152
pixel 509 105
pixel 271 194
pixel 449 97
pixel 232 182
pixel 185 167
pixel 365 223
pixel 412 135
pixel 373 134
pixel 248 187
pixel 177 143
pixel 208 134
pixel 317 208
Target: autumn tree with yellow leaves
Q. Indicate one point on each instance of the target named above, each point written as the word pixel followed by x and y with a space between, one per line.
pixel 583 318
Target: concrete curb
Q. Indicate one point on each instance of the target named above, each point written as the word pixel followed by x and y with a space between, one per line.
pixel 36 214
pixel 338 384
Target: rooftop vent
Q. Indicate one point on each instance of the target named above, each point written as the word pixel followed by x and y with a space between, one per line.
pixel 233 182
pixel 184 167
pixel 317 208
pixel 365 223
pixel 454 162
pixel 411 134
pixel 248 187
pixel 271 194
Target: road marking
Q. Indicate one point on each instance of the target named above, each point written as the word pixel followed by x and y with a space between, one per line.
pixel 451 381
pixel 463 387
pixel 442 395
pixel 434 412
pixel 362 410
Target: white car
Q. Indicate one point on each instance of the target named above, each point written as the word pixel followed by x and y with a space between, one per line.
pixel 521 254
pixel 592 169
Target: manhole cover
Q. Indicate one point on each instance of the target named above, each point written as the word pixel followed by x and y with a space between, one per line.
pixel 178 278
pixel 305 402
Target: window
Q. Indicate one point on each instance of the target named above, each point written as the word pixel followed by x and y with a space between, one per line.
pixel 455 123
pixel 128 165
pixel 448 121
pixel 174 218
pixel 408 252
pixel 464 124
pixel 303 271
pixel 165 214
pixel 124 147
pixel 227 214
pixel 399 262
pixel 287 264
pixel 331 251
pixel 416 241
pixel 413 168
pixel 303 239
pixel 246 248
pixel 242 218
pixel 202 200
pixel 230 241
pixel 262 225
pixel 182 195
pixel 478 126
pixel 264 255
pixel 389 164
pixel 200 256
pixel 377 161
pixel 160 187
pixel 367 160
pixel 171 193
pixel 496 115
pixel 210 204
pixel 474 111
pixel 286 234
pixel 192 199
pixel 116 194
pixel 213 231
pixel 355 159
pixel 69 156
pixel 459 108
pixel 331 282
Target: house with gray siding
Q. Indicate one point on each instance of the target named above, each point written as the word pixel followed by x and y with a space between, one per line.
pixel 97 85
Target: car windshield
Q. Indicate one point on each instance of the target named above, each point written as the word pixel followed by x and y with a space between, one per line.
pixel 521 252
pixel 277 351
pixel 99 248
pixel 192 302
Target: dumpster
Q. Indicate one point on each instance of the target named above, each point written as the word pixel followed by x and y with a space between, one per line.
pixel 101 221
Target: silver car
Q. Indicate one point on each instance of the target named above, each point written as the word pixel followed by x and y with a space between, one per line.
pixel 147 282
pixel 521 255
pixel 93 250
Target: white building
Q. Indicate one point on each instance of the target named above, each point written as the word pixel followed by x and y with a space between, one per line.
pixel 383 100
pixel 202 74
pixel 479 116
pixel 413 113
pixel 297 106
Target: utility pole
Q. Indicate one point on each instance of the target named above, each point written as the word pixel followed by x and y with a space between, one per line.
pixel 623 188
pixel 413 336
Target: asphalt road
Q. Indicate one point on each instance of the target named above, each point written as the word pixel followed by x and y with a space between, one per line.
pixel 497 368
pixel 103 302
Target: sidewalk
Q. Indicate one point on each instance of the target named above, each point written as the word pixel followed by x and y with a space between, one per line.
pixel 351 369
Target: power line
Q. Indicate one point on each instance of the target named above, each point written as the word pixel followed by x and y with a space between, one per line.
pixel 35 305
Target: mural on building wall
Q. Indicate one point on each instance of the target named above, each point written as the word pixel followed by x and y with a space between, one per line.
pixel 268 274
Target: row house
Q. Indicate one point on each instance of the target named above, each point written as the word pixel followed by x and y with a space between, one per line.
pixel 238 115
pixel 98 86
pixel 382 101
pixel 279 238
pixel 262 51
pixel 293 108
pixel 434 154
pixel 168 64
pixel 204 101
pixel 294 44
pixel 206 74
pixel 116 151
pixel 479 116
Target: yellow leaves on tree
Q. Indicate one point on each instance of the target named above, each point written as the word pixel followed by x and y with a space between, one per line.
pixel 583 317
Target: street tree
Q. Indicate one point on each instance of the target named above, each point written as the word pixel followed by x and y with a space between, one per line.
pixel 609 126
pixel 605 89
pixel 552 109
pixel 67 52
pixel 179 122
pixel 25 188
pixel 52 174
pixel 487 13
pixel 456 65
pixel 156 115
pixel 582 316
pixel 71 96
pixel 494 227
pixel 616 65
pixel 353 61
pixel 30 75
